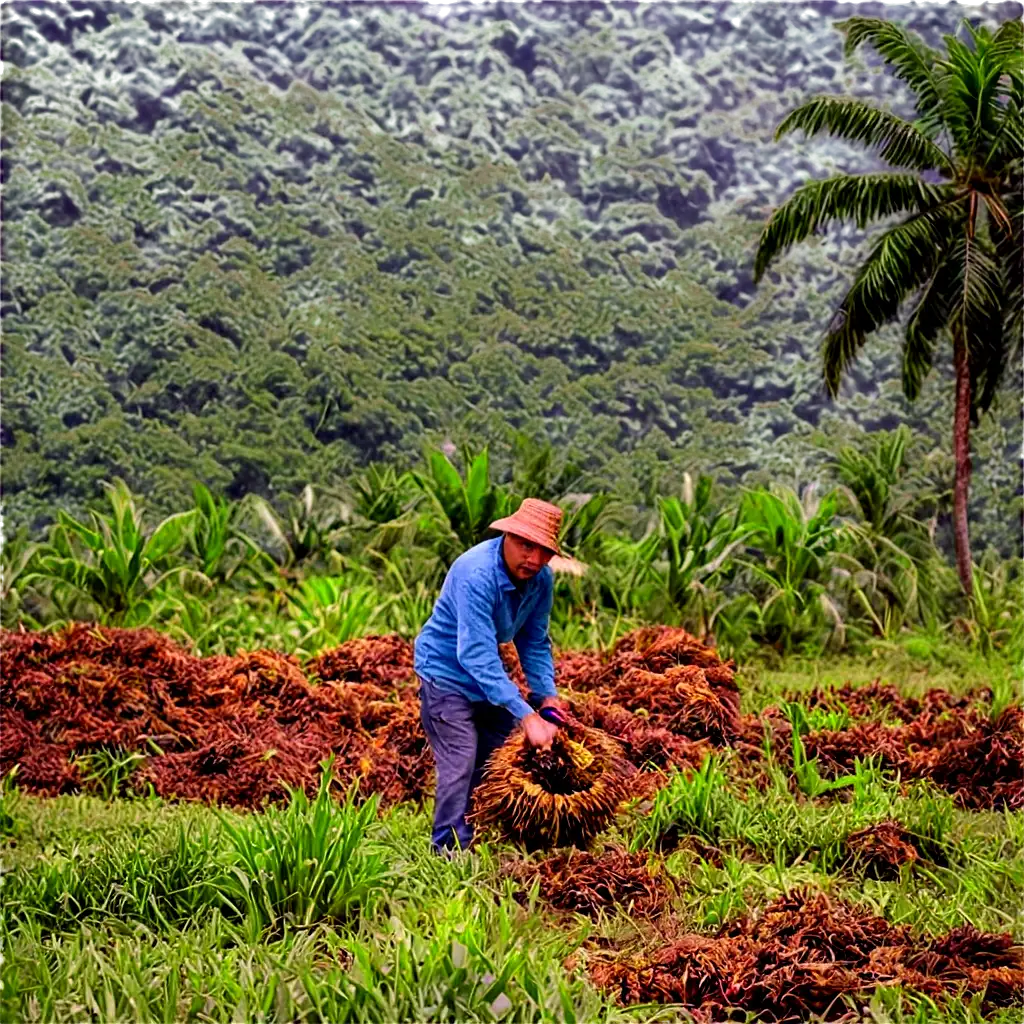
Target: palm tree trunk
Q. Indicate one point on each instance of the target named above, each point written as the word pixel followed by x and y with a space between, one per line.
pixel 962 456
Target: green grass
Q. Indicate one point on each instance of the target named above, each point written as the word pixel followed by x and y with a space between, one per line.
pixel 915 666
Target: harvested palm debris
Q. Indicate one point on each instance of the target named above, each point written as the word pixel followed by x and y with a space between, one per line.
pixel 384 661
pixel 563 796
pixel 979 761
pixel 881 849
pixel 679 683
pixel 667 698
pixel 234 729
pixel 984 768
pixel 802 955
pixel 659 648
pixel 590 884
pixel 882 700
pixel 652 749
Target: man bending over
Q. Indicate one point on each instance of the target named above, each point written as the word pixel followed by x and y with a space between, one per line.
pixel 498 591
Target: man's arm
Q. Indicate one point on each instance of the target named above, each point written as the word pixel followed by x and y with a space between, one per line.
pixel 477 646
pixel 534 645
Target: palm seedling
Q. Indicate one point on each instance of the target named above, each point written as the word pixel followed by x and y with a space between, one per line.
pixel 216 539
pixel 381 494
pixel 696 543
pixel 694 804
pixel 956 188
pixel 17 554
pixel 897 567
pixel 460 510
pixel 383 503
pixel 112 561
pixel 996 609
pixel 539 471
pixel 304 531
pixel 791 548
pixel 328 610
pixel 311 861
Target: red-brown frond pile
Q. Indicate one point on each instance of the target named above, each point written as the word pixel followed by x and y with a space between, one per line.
pixel 591 884
pixel 237 730
pixel 384 661
pixel 979 761
pixel 803 954
pixel 563 796
pixel 653 749
pixel 667 697
pixel 882 700
pixel 882 848
pixel 984 768
pixel 679 682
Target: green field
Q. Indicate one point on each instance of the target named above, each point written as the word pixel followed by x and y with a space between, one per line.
pixel 141 909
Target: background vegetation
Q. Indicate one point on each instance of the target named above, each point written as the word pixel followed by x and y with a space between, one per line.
pixel 256 249
pixel 850 566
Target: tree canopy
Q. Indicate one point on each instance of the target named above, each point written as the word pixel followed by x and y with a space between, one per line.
pixel 259 248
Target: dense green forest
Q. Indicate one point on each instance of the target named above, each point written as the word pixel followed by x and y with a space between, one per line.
pixel 259 246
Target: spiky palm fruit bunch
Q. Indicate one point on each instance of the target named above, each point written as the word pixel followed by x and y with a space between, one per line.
pixel 563 796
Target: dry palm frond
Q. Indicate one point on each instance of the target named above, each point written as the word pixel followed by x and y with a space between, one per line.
pixel 563 796
pixel 802 954
pixel 590 884
pixel 882 848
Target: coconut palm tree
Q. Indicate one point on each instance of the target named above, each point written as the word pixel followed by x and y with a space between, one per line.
pixel 956 187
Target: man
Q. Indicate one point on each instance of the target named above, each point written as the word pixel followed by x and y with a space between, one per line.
pixel 498 591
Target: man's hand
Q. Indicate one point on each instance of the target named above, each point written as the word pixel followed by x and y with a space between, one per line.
pixel 538 732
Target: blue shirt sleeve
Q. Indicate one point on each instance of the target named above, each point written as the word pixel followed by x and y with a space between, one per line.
pixel 534 645
pixel 477 644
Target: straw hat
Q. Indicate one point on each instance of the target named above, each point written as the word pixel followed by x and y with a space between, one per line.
pixel 534 520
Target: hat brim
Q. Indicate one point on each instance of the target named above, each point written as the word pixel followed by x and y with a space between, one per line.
pixel 527 532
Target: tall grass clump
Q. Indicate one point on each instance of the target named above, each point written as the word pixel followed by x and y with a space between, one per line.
pixel 310 861
pixel 159 879
pixel 479 960
pixel 696 804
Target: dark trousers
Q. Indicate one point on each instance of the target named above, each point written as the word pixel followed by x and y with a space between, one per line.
pixel 463 734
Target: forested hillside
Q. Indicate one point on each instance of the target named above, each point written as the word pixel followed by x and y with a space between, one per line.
pixel 259 245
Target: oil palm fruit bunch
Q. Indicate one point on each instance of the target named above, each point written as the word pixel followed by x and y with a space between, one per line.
pixel 562 796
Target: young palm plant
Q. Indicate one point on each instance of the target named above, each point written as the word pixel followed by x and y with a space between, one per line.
pixel 328 610
pixel 216 539
pixel 890 536
pixel 305 531
pixel 112 562
pixel 696 542
pixel 312 860
pixel 792 546
pixel 17 554
pixel 955 252
pixel 460 510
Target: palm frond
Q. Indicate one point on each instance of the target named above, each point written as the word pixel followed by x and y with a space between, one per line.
pixel 975 98
pixel 1011 252
pixel 1007 48
pixel 858 198
pixel 931 314
pixel 902 260
pixel 898 141
pixel 909 58
pixel 978 314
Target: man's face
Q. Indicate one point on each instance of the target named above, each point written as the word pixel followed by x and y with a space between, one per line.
pixel 524 558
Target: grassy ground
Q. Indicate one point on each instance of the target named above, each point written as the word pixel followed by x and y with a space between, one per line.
pixel 143 910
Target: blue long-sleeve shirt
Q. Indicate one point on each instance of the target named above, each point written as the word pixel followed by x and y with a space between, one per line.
pixel 478 608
